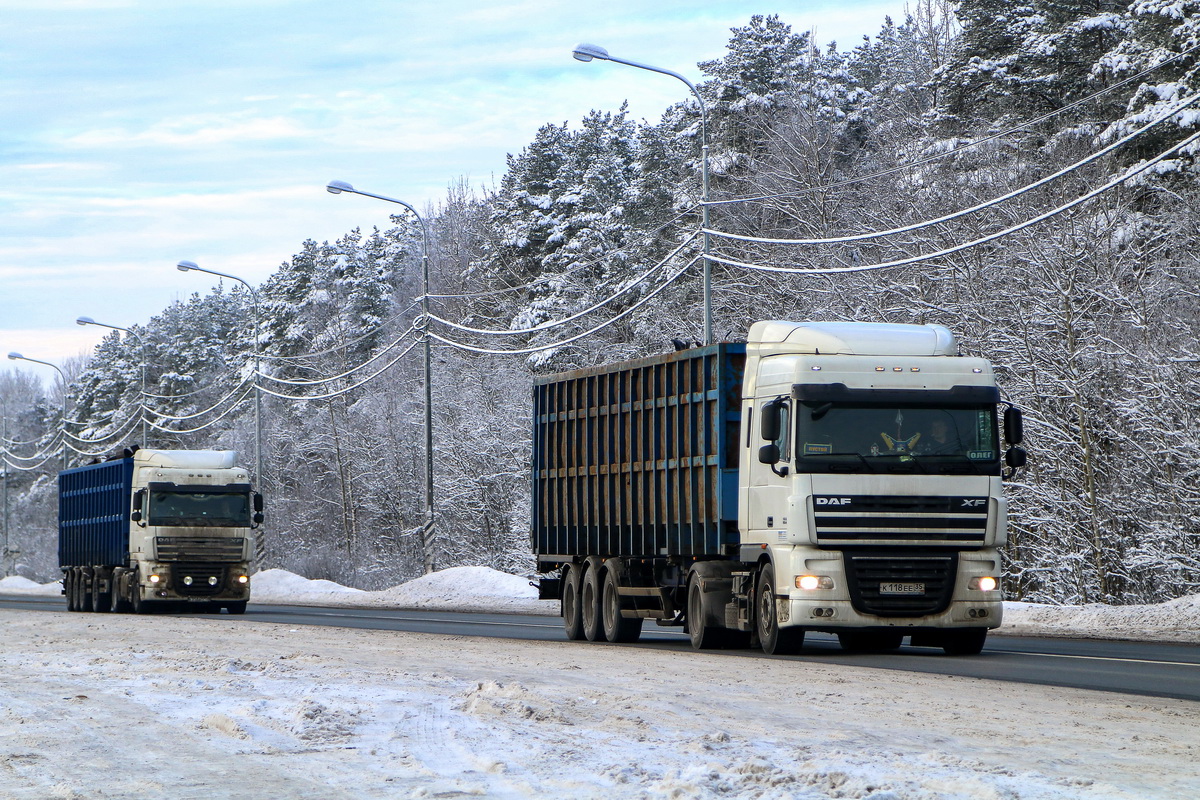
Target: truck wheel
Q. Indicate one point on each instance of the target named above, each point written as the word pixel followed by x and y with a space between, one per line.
pixel 704 637
pixel 593 627
pixel 870 641
pixel 775 640
pixel 965 642
pixel 616 628
pixel 136 604
pixel 572 604
pixel 235 608
pixel 120 599
pixel 68 581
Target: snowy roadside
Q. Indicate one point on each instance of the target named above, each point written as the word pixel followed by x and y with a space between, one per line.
pixel 485 590
pixel 123 707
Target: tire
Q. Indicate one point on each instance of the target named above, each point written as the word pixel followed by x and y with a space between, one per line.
pixel 120 602
pixel 703 637
pixel 617 628
pixel 776 641
pixel 136 604
pixel 572 608
pixel 88 585
pixel 965 642
pixel 236 608
pixel 593 623
pixel 69 588
pixel 870 641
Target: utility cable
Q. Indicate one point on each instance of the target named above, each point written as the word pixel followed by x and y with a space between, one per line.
pixel 348 389
pixel 976 208
pixel 596 329
pixel 213 407
pixel 599 304
pixel 208 424
pixel 351 371
pixel 984 240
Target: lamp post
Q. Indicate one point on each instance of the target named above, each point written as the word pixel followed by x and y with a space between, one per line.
pixel 142 344
pixel 588 52
pixel 190 266
pixel 338 187
pixel 61 374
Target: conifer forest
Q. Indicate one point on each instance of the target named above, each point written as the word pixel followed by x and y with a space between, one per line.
pixel 1023 173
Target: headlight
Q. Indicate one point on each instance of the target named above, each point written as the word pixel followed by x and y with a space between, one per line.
pixel 243 579
pixel 187 580
pixel 155 578
pixel 812 582
pixel 984 584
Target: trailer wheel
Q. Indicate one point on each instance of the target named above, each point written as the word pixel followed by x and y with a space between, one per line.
pixel 101 601
pixel 593 624
pixel 88 584
pixel 69 588
pixel 775 640
pixel 572 605
pixel 966 642
pixel 616 628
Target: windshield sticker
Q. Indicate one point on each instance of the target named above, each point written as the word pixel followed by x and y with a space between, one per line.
pixel 982 455
pixel 811 449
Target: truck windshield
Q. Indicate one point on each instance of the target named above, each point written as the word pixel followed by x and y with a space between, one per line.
pixel 201 509
pixel 847 437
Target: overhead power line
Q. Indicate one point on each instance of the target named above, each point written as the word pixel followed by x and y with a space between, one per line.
pixel 1132 172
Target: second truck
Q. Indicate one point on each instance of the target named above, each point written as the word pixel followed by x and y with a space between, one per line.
pixel 157 529
pixel 835 477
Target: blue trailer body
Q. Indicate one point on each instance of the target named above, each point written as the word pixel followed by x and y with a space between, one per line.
pixel 93 514
pixel 639 459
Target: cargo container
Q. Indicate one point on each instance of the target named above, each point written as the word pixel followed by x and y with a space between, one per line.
pixel 837 477
pixel 152 528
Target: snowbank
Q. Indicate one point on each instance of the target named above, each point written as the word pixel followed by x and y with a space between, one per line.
pixel 483 589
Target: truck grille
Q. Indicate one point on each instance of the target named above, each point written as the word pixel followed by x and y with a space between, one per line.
pixel 858 519
pixel 200 575
pixel 194 548
pixel 867 573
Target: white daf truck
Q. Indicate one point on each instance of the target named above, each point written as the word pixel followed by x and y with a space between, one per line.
pixel 157 528
pixel 837 477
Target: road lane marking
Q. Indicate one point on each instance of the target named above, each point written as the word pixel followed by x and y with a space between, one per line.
pixel 1097 658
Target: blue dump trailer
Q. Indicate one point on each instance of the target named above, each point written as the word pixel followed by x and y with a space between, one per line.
pixel 836 477
pixel 157 528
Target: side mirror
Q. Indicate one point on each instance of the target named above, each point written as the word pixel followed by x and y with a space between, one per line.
pixel 769 425
pixel 1014 426
pixel 1016 457
pixel 768 454
pixel 258 518
pixel 139 498
pixel 258 501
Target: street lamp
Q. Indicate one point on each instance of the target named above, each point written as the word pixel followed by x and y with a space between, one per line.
pixel 587 52
pixel 188 266
pixel 337 187
pixel 142 344
pixel 61 374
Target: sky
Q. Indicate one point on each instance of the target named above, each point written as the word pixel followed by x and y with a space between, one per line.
pixel 138 133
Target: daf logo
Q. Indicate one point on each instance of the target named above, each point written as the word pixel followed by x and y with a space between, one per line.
pixel 969 502
pixel 833 501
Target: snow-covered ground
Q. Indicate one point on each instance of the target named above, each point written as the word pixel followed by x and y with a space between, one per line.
pixel 120 706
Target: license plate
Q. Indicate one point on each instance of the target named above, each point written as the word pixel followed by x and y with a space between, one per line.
pixel 902 588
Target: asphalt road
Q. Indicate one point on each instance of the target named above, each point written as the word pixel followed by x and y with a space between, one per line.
pixel 1141 668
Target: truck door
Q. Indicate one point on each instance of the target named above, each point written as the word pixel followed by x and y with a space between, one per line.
pixel 770 468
